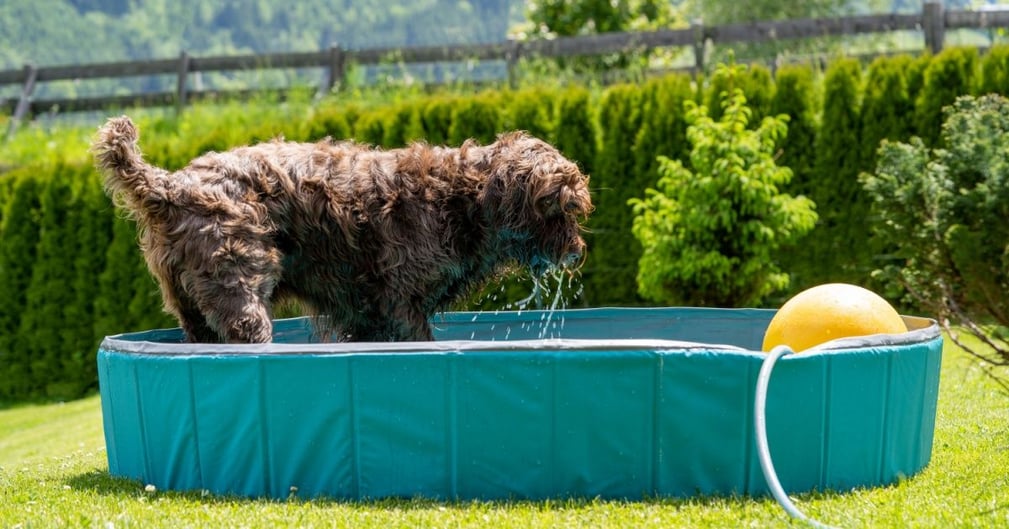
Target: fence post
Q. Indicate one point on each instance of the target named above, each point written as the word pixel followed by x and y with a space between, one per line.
pixel 933 25
pixel 24 102
pixel 512 57
pixel 697 26
pixel 180 87
pixel 337 68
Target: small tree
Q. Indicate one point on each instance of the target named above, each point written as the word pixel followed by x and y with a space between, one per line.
pixel 943 211
pixel 709 235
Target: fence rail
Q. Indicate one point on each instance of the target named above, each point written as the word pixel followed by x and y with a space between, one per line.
pixel 933 21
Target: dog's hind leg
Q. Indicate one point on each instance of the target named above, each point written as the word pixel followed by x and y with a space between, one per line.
pixel 233 291
pixel 184 308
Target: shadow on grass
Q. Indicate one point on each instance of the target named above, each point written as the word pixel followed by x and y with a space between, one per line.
pixel 101 482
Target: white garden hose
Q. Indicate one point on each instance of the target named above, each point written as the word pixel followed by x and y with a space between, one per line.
pixel 763 452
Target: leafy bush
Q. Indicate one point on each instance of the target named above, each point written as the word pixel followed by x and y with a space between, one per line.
pixel 944 211
pixel 710 234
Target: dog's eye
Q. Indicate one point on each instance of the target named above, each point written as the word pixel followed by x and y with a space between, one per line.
pixel 572 207
pixel 547 205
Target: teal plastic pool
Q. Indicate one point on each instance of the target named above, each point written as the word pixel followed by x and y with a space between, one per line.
pixel 614 403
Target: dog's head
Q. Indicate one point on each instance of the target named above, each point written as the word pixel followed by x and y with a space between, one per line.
pixel 542 201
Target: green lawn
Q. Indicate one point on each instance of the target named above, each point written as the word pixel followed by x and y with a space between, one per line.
pixel 53 473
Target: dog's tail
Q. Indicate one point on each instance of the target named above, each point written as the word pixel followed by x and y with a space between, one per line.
pixel 118 157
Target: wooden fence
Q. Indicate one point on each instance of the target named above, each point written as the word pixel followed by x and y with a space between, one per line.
pixel 933 22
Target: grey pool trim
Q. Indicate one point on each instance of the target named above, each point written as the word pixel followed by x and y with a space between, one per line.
pixel 924 329
pixel 114 344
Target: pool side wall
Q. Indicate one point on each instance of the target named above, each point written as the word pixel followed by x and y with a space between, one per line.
pixel 613 418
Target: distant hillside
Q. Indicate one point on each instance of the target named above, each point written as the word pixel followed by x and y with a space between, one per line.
pixel 47 32
pixel 51 32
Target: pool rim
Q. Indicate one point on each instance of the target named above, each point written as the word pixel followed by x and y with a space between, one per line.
pixel 153 342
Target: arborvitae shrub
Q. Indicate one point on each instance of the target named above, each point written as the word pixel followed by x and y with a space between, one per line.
pixel 758 88
pixel 93 216
pixel 404 126
pixel 995 71
pixel 575 132
pixel 476 117
pixel 436 118
pixel 328 121
pixel 836 251
pixel 611 266
pixel 146 304
pixel 48 292
pixel 663 125
pixel 886 105
pixel 19 234
pixel 531 110
pixel 795 96
pixel 951 73
pixel 756 83
pixel 123 263
pixel 370 126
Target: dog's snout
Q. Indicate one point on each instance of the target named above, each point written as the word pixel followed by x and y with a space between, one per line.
pixel 574 255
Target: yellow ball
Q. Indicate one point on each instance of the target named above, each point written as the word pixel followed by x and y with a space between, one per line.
pixel 827 312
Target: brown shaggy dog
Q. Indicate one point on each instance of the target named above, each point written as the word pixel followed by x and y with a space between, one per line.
pixel 374 241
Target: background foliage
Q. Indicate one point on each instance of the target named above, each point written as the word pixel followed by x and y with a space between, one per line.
pixel 70 271
pixel 943 210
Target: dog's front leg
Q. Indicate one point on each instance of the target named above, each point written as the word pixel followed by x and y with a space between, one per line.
pixel 412 325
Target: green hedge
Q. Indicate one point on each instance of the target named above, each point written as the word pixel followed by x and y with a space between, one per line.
pixel 70 271
pixel 954 72
pixel 19 238
pixel 610 271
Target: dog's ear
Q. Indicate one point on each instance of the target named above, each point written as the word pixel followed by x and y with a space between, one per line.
pixel 563 200
pixel 569 201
